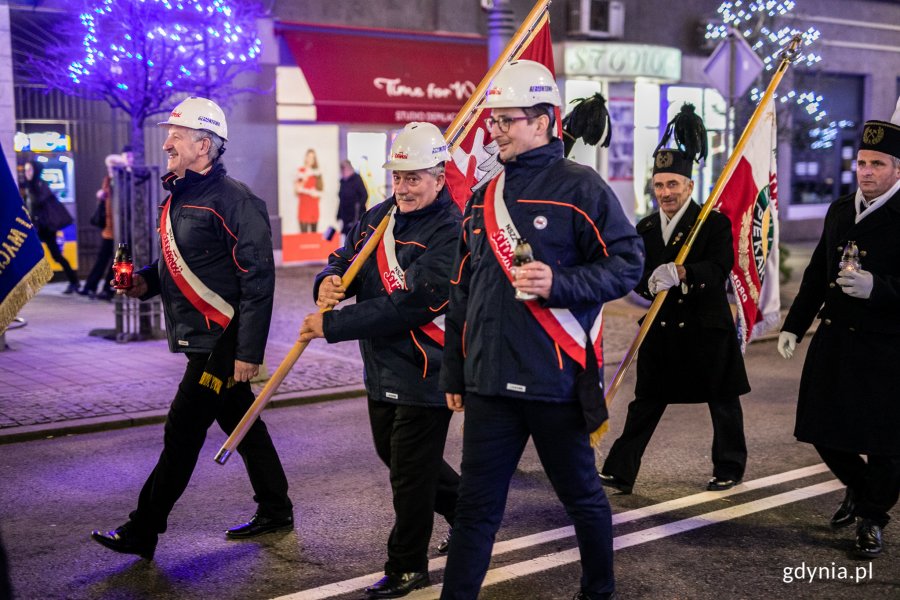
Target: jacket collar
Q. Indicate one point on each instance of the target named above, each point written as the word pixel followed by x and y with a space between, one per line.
pixel 536 158
pixel 171 183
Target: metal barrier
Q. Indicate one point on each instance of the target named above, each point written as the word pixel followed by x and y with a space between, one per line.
pixel 136 201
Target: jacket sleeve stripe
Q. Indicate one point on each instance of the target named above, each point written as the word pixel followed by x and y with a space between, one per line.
pixel 422 350
pixel 461 264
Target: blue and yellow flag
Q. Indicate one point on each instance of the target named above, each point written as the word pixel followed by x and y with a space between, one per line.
pixel 23 268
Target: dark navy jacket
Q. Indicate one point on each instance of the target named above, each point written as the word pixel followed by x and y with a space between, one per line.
pixel 223 233
pixel 494 346
pixel 401 363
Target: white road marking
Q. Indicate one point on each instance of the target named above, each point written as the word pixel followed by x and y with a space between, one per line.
pixel 557 559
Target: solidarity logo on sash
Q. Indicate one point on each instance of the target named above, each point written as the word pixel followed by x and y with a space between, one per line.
pixel 393 278
pixel 213 306
pixel 559 323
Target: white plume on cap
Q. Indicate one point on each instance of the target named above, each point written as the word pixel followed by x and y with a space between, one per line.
pixel 895 119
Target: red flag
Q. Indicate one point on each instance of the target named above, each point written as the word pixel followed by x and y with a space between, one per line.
pixel 474 160
pixel 749 198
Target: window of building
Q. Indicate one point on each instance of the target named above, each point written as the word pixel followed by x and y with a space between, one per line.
pixel 823 152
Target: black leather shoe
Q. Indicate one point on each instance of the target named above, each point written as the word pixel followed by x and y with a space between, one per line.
pixel 717 484
pixel 73 287
pixel 868 538
pixel 124 540
pixel 616 483
pixel 259 525
pixel 444 546
pixel 397 585
pixel 843 516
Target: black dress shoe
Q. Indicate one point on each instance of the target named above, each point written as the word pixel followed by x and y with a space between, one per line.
pixel 259 525
pixel 843 516
pixel 616 483
pixel 717 484
pixel 868 538
pixel 125 540
pixel 444 546
pixel 73 287
pixel 397 585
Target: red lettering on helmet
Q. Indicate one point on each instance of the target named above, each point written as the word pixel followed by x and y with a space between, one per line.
pixel 401 155
pixel 177 115
pixel 495 91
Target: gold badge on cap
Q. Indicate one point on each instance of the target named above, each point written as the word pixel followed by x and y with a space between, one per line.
pixel 873 135
pixel 664 159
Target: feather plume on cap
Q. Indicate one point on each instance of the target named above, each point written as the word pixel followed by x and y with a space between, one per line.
pixel 689 132
pixel 589 121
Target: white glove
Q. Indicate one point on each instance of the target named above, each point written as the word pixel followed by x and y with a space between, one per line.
pixel 662 278
pixel 856 283
pixel 787 341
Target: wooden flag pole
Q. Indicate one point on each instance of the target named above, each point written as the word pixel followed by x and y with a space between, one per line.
pixel 786 59
pixel 296 350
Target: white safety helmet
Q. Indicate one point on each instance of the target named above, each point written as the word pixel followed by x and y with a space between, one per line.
pixel 199 113
pixel 522 83
pixel 418 146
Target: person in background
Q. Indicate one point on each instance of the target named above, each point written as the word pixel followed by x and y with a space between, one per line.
pixel 39 198
pixel 848 402
pixel 216 276
pixel 401 295
pixel 102 269
pixel 352 196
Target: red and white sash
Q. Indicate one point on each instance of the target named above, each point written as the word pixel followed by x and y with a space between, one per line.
pixel 559 323
pixel 393 278
pixel 213 306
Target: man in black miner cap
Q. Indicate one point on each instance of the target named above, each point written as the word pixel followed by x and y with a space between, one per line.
pixel 691 353
pixel 848 402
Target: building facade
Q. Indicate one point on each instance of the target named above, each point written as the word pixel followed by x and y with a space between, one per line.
pixel 643 55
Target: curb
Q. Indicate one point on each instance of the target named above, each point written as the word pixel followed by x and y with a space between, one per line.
pixel 28 433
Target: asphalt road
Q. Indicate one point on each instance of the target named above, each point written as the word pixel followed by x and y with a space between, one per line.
pixel 673 540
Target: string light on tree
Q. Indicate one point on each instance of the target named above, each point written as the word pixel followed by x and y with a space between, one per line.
pixel 761 23
pixel 142 55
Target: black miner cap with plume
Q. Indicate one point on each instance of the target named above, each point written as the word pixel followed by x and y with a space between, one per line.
pixel 589 121
pixel 690 142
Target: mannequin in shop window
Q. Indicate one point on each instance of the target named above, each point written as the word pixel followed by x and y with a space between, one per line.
pixel 308 188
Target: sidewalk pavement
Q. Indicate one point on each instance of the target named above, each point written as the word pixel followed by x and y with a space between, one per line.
pixel 56 379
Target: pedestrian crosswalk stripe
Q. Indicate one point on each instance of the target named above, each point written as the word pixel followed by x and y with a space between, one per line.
pixel 550 561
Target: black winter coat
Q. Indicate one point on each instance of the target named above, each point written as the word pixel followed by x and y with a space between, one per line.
pixel 494 345
pixel 849 388
pixel 402 364
pixel 691 353
pixel 223 233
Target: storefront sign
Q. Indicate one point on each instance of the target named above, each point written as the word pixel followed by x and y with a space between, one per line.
pixel 380 76
pixel 621 61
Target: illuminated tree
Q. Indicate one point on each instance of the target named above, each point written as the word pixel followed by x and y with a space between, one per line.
pixel 761 23
pixel 142 56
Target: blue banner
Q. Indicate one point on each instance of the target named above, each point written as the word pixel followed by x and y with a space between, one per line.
pixel 23 269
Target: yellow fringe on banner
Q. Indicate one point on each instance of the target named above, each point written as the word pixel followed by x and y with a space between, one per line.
pixel 598 434
pixel 24 291
pixel 211 381
pixel 214 383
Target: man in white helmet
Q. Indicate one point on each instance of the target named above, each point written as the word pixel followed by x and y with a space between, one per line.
pixel 401 295
pixel 515 364
pixel 216 276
